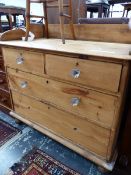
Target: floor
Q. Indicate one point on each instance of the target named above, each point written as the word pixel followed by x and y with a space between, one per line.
pixel 12 152
pixel 29 138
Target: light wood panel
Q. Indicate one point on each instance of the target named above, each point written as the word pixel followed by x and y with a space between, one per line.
pixel 94 106
pixel 103 50
pixel 38 30
pixel 77 130
pixel 118 33
pixel 15 34
pixel 92 73
pixel 24 60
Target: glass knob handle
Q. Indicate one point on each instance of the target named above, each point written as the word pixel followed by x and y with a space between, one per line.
pixel 75 73
pixel 75 101
pixel 23 84
pixel 20 60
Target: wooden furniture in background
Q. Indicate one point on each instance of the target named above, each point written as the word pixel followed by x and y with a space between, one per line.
pixel 62 16
pixel 95 32
pixel 101 8
pixel 79 10
pixel 10 11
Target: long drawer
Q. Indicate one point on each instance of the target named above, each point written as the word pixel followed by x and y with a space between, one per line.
pixel 24 60
pixel 97 107
pixel 75 129
pixel 96 74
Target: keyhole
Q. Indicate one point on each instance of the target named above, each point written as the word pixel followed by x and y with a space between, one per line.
pixel 75 129
pixel 77 64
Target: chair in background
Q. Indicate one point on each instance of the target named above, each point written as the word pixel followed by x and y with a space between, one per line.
pixel 62 15
pixel 9 12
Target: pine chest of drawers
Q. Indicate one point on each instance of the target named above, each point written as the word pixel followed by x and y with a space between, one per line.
pixel 77 99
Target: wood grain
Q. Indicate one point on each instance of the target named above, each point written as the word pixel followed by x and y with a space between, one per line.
pixel 63 124
pixel 96 74
pixel 94 106
pixel 116 51
pixel 32 62
pixel 38 30
pixel 15 34
pixel 118 33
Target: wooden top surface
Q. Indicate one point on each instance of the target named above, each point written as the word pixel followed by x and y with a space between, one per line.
pixel 113 50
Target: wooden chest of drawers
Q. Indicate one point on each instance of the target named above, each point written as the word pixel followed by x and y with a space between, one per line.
pixel 75 99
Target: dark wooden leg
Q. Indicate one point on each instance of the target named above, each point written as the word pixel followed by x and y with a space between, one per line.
pixel 123 12
pixel 127 12
pixel 91 14
pixel 0 25
pixel 46 18
pixel 112 10
pixel 9 18
pixel 14 16
pixel 100 8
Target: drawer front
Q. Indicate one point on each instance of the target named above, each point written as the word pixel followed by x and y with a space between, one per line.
pixel 77 130
pixel 2 67
pixel 89 104
pixel 96 74
pixel 5 99
pixel 3 81
pixel 24 60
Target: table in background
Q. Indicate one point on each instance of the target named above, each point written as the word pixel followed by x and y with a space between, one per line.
pixel 101 8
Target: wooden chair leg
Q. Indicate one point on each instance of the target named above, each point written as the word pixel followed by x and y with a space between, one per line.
pixel 0 25
pixel 61 18
pixel 27 19
pixel 14 16
pixel 45 18
pixel 9 18
pixel 71 20
pixel 127 13
pixel 123 12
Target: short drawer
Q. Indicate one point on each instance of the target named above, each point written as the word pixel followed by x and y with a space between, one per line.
pixel 91 73
pixel 3 81
pixel 75 129
pixel 5 99
pixel 89 104
pixel 24 60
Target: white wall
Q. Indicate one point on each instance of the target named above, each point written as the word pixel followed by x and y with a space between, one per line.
pixel 14 2
pixel 35 8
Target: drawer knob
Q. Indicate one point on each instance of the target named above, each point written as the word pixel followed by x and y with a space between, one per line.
pixel 20 60
pixel 23 84
pixel 75 73
pixel 75 101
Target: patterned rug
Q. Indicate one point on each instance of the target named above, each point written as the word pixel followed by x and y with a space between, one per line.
pixel 7 132
pixel 36 162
